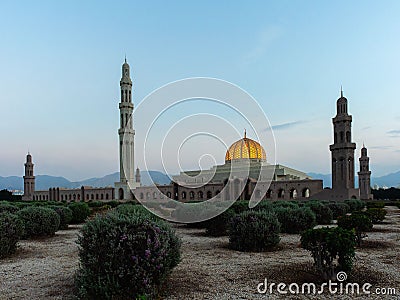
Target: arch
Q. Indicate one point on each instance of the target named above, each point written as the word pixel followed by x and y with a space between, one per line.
pixel 87 196
pixel 121 193
pixel 101 196
pixel 191 195
pixel 92 196
pixel 147 195
pixel 353 197
pixel 183 195
pixel 341 136
pixel 348 136
pixel 281 193
pixel 154 195
pixel 79 197
pixel 293 193
pixel 200 195
pixel 169 195
pixel 141 196
pixel 97 196
pixel 209 194
pixel 269 192
pixel 70 197
pixel 305 193
pixel 107 196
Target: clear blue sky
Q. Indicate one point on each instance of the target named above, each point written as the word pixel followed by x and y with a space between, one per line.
pixel 60 69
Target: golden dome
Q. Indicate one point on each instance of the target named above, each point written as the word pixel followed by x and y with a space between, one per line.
pixel 245 148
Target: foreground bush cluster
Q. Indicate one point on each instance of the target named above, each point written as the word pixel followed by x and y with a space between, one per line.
pixel 125 254
pixel 25 220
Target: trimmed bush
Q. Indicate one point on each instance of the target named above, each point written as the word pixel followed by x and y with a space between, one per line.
pixel 254 231
pixel 288 204
pixel 358 222
pixel 135 209
pixel 80 211
pixel 11 231
pixel 240 206
pixel 333 250
pixel 39 221
pixel 218 225
pixel 6 207
pixel 338 209
pixel 65 215
pixel 322 212
pixel 377 215
pixel 125 257
pixel 375 204
pixel 295 220
pixel 355 204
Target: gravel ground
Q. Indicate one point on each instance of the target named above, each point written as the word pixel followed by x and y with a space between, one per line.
pixel 44 268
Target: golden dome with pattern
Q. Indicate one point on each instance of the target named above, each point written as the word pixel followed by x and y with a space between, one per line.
pixel 245 148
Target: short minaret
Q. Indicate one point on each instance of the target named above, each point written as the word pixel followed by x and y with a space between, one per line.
pixel 137 175
pixel 342 150
pixel 29 179
pixel 364 176
pixel 126 137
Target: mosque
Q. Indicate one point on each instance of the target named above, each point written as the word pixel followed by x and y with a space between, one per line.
pixel 264 181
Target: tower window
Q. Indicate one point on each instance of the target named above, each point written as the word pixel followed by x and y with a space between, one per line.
pixel 341 136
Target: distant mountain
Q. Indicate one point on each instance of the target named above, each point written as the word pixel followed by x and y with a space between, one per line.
pixel 11 183
pixel 390 180
pixel 44 182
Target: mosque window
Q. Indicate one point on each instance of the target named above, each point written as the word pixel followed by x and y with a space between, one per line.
pixel 169 194
pixel 200 195
pixel 154 195
pixel 183 195
pixel 191 195
pixel 107 196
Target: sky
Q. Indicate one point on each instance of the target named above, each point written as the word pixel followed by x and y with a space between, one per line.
pixel 61 65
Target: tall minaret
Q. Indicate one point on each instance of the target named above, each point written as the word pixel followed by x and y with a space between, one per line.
pixel 364 176
pixel 126 138
pixel 342 150
pixel 29 179
pixel 126 131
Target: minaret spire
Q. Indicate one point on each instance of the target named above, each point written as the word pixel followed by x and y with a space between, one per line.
pixel 245 133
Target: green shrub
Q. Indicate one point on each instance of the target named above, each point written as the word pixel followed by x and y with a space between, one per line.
pixel 331 248
pixel 264 206
pixel 65 215
pixel 39 221
pixel 125 256
pixel 377 215
pixel 80 211
pixel 288 204
pixel 338 209
pixel 6 207
pixel 134 209
pixel 171 204
pixel 11 231
pixel 355 204
pixel 218 225
pixel 375 204
pixel 357 221
pixel 94 204
pixel 254 231
pixel 322 212
pixel 240 206
pixel 295 220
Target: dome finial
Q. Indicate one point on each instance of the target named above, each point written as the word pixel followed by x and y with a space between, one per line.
pixel 341 91
pixel 245 133
pixel 125 57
